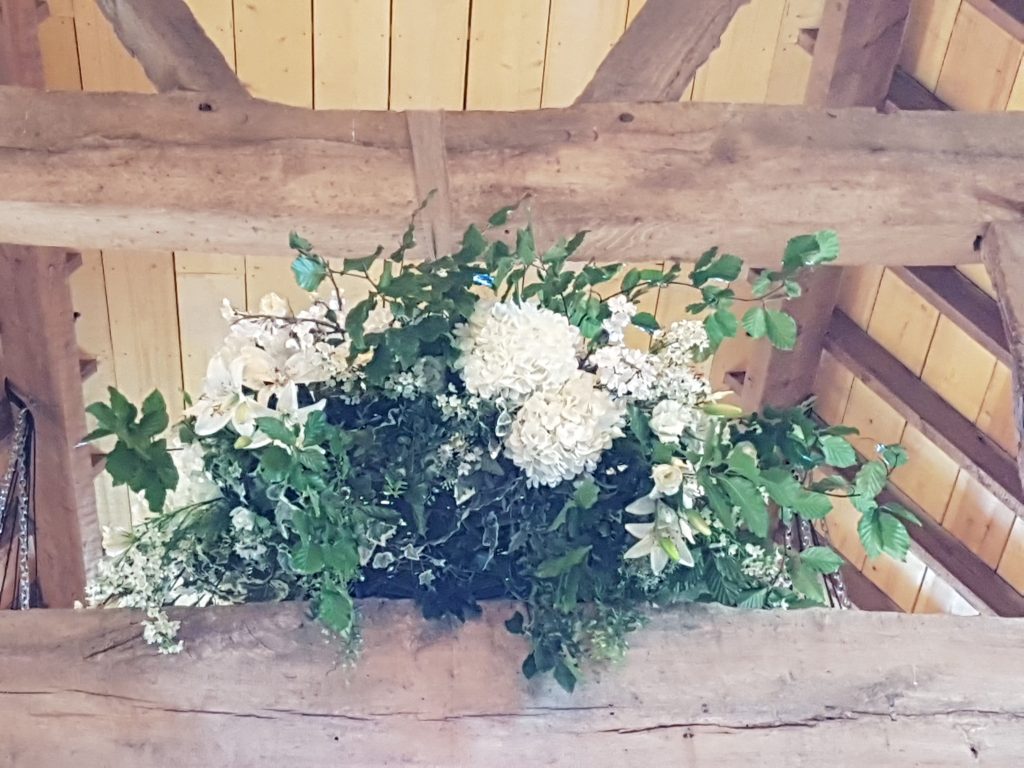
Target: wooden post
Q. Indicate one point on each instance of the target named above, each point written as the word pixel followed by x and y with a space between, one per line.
pixel 1003 254
pixel 855 55
pixel 41 358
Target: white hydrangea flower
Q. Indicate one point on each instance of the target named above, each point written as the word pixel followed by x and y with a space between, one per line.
pixel 510 351
pixel 622 315
pixel 670 419
pixel 626 372
pixel 561 434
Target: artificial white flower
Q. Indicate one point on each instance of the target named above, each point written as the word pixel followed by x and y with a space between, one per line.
pixel 622 313
pixel 116 540
pixel 222 393
pixel 683 339
pixel 626 372
pixel 670 419
pixel 243 518
pixel 559 435
pixel 668 478
pixel 510 351
pixel 663 540
pixel 275 305
pixel 379 320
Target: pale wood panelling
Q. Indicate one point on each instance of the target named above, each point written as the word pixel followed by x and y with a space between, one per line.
pixel 1011 564
pixel 106 65
pixel 428 54
pixel 936 596
pixel 858 291
pixel 978 519
pixel 981 63
pixel 996 418
pixel 580 34
pixel 506 54
pixel 791 66
pixel 352 46
pixel 902 322
pixel 877 421
pixel 901 581
pixel 832 388
pixel 928 32
pixel 929 476
pixel 274 49
pixel 958 368
pixel 61 70
pixel 217 18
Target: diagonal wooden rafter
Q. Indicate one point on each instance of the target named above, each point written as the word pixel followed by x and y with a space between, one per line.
pixel 657 57
pixel 855 56
pixel 219 174
pixel 174 51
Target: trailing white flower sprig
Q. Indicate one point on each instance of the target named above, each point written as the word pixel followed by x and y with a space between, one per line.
pixel 475 427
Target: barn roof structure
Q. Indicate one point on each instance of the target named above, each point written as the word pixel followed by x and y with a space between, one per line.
pixel 178 142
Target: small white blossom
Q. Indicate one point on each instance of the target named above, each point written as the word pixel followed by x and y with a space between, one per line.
pixel 626 372
pixel 670 420
pixel 622 313
pixel 668 478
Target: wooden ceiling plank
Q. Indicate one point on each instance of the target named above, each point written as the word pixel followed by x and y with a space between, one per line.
pixel 916 402
pixel 213 173
pixel 166 39
pixel 1003 253
pixel 660 52
pixel 855 54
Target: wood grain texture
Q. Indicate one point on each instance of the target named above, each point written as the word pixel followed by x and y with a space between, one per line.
pixel 903 321
pixel 661 182
pixel 856 52
pixel 1003 252
pixel 580 35
pixel 274 51
pixel 430 170
pixel 172 48
pixel 928 34
pixel 428 54
pixel 106 64
pixel 660 52
pixel 261 683
pixel 958 368
pixel 976 454
pixel 351 49
pixel 506 54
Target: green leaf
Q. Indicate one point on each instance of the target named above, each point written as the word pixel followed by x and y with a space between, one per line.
pixel 753 599
pixel 298 243
pixel 275 461
pixel 97 434
pixel 755 322
pixel 725 267
pixel 881 532
pixel 646 321
pixel 871 479
pixel 807 581
pixel 799 251
pixel 586 494
pixel 515 624
pixel 309 272
pixel 104 416
pixel 821 559
pixel 742 463
pixel 828 247
pixel 342 557
pixel 893 455
pixel 630 280
pixel 124 412
pixel 902 512
pixel 813 506
pixel 360 264
pixel 565 677
pixel 123 464
pixel 335 609
pixel 781 329
pixel 275 430
pixel 526 248
pixel 356 319
pixel 556 566
pixel 838 451
pixel 500 217
pixel 720 325
pixel 747 498
pixel 781 486
pixel 762 285
pixel 154 415
pixel 308 558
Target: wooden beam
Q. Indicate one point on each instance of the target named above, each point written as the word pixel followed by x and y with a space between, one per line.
pixel 21 60
pixel 1003 254
pixel 226 175
pixel 955 564
pixel 855 54
pixel 172 48
pixel 954 295
pixel 660 52
pixel 916 402
pixel 259 685
pixel 864 593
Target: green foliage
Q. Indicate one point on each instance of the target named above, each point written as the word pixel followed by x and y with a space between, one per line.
pixel 139 459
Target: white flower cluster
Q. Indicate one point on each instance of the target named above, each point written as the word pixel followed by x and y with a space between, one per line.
pixel 623 311
pixel 558 435
pixel 508 351
pixel 627 372
pixel 265 359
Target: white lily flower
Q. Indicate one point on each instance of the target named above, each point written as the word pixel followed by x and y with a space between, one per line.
pixel 663 540
pixel 222 395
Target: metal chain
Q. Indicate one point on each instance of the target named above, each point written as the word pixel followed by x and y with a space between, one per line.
pixel 17 448
pixel 24 582
pixel 15 479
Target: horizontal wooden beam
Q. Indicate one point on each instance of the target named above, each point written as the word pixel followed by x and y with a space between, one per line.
pixel 954 295
pixel 260 684
pixel 972 450
pixel 174 51
pixel 228 175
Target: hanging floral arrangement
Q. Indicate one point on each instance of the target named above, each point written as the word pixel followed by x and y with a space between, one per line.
pixel 477 427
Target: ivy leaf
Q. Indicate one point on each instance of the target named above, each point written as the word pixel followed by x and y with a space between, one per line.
pixel 881 532
pixel 556 566
pixel 335 609
pixel 104 416
pixel 586 494
pixel 154 415
pixel 515 624
pixel 747 498
pixel 821 559
pixel 309 271
pixel 838 451
pixel 565 677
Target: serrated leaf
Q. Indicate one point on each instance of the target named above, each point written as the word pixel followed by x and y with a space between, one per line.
pixel 556 566
pixel 586 494
pixel 745 496
pixel 309 272
pixel 725 267
pixel 298 243
pixel 631 280
pixel 742 463
pixel 308 558
pixel 893 455
pixel 124 412
pixel 341 557
pixel 881 532
pixel 813 506
pixel 902 512
pixel 821 559
pixel 154 415
pixel 781 329
pixel 807 581
pixel 335 609
pixel 275 430
pixel 646 321
pixel 828 247
pixel 753 599
pixel 838 451
pixel 356 319
pixel 720 325
pixel 871 479
pixel 755 322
